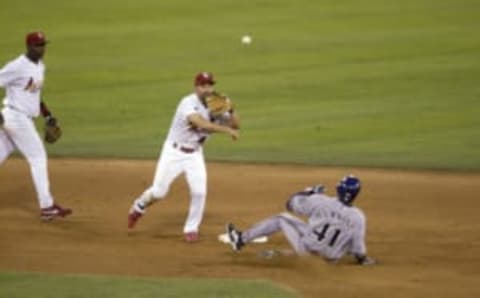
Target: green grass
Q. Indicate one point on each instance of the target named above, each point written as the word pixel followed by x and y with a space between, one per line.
pixel 23 285
pixel 379 83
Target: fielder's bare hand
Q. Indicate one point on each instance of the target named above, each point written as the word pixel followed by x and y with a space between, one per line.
pixel 235 134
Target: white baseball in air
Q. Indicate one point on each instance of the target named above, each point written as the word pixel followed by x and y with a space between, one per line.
pixel 246 39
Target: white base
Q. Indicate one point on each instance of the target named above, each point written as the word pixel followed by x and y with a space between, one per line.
pixel 225 239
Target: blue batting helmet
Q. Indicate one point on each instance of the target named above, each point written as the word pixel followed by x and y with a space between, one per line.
pixel 348 188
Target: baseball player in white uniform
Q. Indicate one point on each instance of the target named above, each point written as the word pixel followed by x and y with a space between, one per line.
pixel 23 79
pixel 334 227
pixel 183 153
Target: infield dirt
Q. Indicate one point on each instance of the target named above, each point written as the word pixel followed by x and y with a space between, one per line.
pixel 422 226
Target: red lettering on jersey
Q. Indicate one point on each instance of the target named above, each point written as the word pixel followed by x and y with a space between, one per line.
pixel 32 86
pixel 29 84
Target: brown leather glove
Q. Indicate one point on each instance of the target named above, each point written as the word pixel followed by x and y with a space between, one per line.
pixel 53 132
pixel 218 104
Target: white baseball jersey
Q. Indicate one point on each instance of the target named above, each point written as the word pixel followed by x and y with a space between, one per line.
pixel 335 229
pixel 23 81
pixel 181 130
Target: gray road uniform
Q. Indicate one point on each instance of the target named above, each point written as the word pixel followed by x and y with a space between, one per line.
pixel 332 230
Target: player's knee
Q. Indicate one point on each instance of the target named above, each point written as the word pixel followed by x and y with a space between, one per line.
pixel 285 215
pixel 199 195
pixel 6 148
pixel 158 193
pixel 4 154
pixel 36 156
pixel 37 160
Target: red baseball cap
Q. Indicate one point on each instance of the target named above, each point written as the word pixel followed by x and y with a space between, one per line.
pixel 204 78
pixel 36 39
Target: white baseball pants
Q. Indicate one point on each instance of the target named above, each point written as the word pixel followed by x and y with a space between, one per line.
pixel 171 164
pixel 19 132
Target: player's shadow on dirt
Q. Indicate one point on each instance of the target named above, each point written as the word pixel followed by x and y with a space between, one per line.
pixel 160 225
pixel 256 260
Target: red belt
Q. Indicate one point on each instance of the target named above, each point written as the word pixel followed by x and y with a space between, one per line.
pixel 183 149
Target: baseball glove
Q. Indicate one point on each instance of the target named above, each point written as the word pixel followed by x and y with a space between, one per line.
pixel 218 104
pixel 53 132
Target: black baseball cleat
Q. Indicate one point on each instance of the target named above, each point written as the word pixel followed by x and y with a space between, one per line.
pixel 235 237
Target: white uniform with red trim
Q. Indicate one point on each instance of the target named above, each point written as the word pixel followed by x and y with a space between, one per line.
pixel 182 153
pixel 23 81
